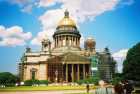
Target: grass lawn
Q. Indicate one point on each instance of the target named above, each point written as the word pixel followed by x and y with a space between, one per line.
pixel 43 88
pixel 48 88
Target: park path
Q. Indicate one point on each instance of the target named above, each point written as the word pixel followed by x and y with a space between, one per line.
pixel 46 92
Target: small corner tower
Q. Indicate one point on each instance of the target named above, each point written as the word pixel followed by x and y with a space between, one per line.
pixel 46 45
pixel 89 46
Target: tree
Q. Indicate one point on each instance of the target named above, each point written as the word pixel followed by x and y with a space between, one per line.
pixel 7 79
pixel 118 77
pixel 90 80
pixel 131 65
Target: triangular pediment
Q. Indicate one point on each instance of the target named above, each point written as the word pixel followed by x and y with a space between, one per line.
pixel 75 58
pixel 70 58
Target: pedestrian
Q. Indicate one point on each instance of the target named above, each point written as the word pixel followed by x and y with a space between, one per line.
pixel 128 87
pixel 118 88
pixel 87 87
pixel 103 89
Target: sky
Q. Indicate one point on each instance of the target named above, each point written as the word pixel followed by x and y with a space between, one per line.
pixel 112 23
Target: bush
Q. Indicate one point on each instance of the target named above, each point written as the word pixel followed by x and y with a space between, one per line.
pixel 35 82
pixel 118 77
pixel 46 82
pixel 31 82
pixel 80 82
pixel 91 80
pixel 116 80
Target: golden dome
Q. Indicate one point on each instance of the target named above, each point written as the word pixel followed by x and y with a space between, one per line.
pixel 66 20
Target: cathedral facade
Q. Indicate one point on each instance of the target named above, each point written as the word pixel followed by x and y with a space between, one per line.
pixel 66 61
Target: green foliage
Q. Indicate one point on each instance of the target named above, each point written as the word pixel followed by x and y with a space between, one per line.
pixel 93 80
pixel 46 82
pixel 131 65
pixel 35 82
pixel 90 80
pixel 31 82
pixel 7 79
pixel 80 82
pixel 118 75
pixel 116 80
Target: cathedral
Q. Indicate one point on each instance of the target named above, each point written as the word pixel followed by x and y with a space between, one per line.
pixel 66 61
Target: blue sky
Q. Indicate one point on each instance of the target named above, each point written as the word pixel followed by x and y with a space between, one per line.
pixel 114 24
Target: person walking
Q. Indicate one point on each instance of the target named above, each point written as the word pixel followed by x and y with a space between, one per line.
pixel 87 87
pixel 103 88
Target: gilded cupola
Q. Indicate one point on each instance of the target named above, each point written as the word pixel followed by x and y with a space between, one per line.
pixel 66 21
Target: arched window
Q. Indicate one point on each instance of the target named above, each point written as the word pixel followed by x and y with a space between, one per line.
pixel 33 73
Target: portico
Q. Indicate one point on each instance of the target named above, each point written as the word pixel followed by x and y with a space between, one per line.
pixel 68 69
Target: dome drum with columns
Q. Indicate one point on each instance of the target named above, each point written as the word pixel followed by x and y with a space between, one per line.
pixel 66 61
pixel 67 34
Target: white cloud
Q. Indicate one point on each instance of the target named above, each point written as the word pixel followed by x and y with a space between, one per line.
pixel 51 18
pixel 49 21
pixel 40 36
pixel 120 57
pixel 13 36
pixel 25 5
pixel 82 40
pixel 120 54
pixel 27 9
pixel 79 11
pixel 47 3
